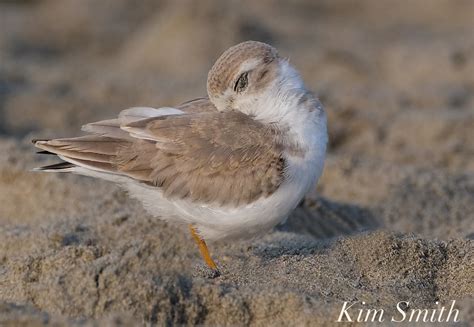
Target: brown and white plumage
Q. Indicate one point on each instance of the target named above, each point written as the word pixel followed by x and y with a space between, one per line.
pixel 191 156
pixel 231 165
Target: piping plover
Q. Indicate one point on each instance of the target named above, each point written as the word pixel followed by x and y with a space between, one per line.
pixel 232 165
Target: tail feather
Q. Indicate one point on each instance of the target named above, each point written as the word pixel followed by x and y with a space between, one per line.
pixel 59 167
pixel 105 167
pixel 91 151
pixel 97 154
pixel 45 152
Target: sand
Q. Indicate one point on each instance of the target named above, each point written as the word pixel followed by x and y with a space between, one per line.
pixel 391 220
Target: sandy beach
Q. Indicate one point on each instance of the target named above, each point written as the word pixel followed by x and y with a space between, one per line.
pixel 391 220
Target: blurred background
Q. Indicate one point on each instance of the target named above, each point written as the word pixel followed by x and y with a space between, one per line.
pixel 397 78
pixel 397 81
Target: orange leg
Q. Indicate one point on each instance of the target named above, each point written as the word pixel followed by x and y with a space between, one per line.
pixel 203 248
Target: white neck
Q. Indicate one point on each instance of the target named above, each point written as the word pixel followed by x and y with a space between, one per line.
pixel 282 105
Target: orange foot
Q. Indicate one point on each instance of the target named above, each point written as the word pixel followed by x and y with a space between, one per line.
pixel 204 251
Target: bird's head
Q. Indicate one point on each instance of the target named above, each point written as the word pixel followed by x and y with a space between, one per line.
pixel 248 73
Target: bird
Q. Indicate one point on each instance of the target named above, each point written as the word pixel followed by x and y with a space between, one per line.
pixel 230 165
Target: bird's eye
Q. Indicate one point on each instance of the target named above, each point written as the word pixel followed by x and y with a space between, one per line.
pixel 241 83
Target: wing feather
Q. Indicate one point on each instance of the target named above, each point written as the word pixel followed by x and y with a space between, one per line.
pixel 193 152
pixel 223 157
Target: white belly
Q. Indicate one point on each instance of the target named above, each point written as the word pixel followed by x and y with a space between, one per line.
pixel 214 222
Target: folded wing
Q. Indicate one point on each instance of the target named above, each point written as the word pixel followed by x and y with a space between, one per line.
pixel 193 152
